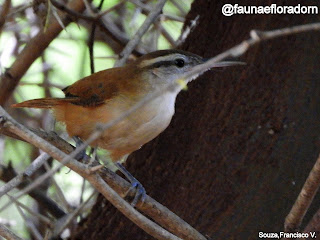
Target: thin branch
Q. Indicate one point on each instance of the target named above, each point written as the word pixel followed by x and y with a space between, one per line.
pixel 30 53
pixel 256 38
pixel 147 225
pixel 42 199
pixel 59 192
pixel 146 9
pixel 90 46
pixel 92 17
pixel 179 7
pixel 83 187
pixel 2 147
pixel 34 166
pixel 187 30
pixel 314 224
pixel 88 7
pixel 173 18
pixel 238 50
pixel 114 7
pixel 44 85
pixel 39 216
pixel 141 31
pixel 150 207
pixel 71 11
pixel 7 234
pixel 64 222
pixel 105 24
pixel 5 10
pixel 20 9
pixel 29 224
pixel 302 204
pixel 144 223
pixel 92 35
pixel 166 34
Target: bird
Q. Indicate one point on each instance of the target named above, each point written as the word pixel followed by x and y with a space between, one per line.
pixel 106 95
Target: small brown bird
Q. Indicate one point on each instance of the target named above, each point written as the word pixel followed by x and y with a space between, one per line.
pixel 105 95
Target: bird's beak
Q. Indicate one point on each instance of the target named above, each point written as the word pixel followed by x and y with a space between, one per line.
pixel 224 63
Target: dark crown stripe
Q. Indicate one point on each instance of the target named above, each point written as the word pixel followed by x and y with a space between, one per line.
pixel 160 64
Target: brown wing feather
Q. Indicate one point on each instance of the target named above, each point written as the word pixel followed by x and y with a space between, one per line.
pixel 90 91
pixel 95 89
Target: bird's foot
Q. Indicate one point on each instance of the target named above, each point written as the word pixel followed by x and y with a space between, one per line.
pixel 140 192
pixel 82 154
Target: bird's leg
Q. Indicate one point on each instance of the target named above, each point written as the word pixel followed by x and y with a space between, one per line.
pixel 93 165
pixel 135 184
pixel 81 155
pixel 93 156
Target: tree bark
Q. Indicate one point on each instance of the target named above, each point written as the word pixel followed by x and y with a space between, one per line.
pixel 242 140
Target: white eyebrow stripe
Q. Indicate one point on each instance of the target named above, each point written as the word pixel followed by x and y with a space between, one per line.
pixel 149 62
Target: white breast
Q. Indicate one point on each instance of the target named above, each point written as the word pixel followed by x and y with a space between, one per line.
pixel 163 110
pixel 141 126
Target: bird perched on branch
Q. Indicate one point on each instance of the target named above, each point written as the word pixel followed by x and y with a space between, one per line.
pixel 106 95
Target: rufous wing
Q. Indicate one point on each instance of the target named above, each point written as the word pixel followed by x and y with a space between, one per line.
pixel 90 91
pixel 96 89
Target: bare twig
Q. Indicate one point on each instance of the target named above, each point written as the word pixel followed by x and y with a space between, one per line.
pixel 2 146
pixel 19 9
pixel 238 50
pixel 59 192
pixel 150 227
pixel 36 234
pixel 7 234
pixel 30 53
pixel 35 165
pixel 166 34
pixel 39 216
pixel 314 224
pixel 4 13
pixel 119 4
pixel 178 6
pixel 141 31
pixel 152 208
pixel 297 212
pixel 64 222
pixel 302 204
pixel 92 17
pixel 92 35
pixel 71 11
pixel 105 24
pixel 42 199
pixel 256 37
pixel 187 30
pixel 45 85
pixel 83 186
pixel 146 8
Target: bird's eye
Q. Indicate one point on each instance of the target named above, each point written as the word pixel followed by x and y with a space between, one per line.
pixel 179 62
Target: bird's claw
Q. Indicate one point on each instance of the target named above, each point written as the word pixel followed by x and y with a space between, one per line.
pixel 140 192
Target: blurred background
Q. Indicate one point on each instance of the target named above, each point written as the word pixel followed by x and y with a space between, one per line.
pixel 65 61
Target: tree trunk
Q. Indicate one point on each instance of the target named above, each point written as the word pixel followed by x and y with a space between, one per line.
pixel 242 141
